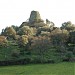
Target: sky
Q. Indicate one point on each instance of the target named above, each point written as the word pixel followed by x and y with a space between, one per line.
pixel 14 12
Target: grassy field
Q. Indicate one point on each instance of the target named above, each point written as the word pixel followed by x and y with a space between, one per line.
pixel 39 69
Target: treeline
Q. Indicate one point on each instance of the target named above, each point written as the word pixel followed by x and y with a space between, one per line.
pixel 37 42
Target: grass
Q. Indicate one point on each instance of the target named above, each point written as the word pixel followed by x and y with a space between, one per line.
pixel 66 68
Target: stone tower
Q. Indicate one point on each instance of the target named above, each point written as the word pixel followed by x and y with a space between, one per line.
pixel 34 17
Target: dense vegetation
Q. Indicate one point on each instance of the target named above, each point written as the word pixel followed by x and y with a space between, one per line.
pixel 39 69
pixel 37 42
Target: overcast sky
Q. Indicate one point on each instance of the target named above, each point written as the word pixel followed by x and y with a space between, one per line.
pixel 14 12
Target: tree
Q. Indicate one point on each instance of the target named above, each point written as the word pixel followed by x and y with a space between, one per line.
pixel 47 21
pixel 23 40
pixel 72 37
pixel 39 45
pixel 15 53
pixel 69 55
pixel 3 41
pixel 50 24
pixel 59 36
pixel 25 30
pixel 9 32
pixel 68 26
pixel 16 28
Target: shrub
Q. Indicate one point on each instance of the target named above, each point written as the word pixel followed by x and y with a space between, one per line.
pixel 15 53
pixel 3 41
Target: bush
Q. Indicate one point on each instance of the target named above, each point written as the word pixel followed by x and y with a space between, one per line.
pixel 3 41
pixel 68 56
pixel 15 53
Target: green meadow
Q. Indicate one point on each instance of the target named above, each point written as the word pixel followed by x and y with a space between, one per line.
pixel 64 68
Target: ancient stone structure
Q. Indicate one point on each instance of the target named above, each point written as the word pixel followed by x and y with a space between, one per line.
pixel 34 17
pixel 34 20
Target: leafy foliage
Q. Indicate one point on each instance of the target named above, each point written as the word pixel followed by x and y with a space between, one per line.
pixel 26 30
pixel 3 41
pixel 37 42
pixel 68 26
pixel 23 40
